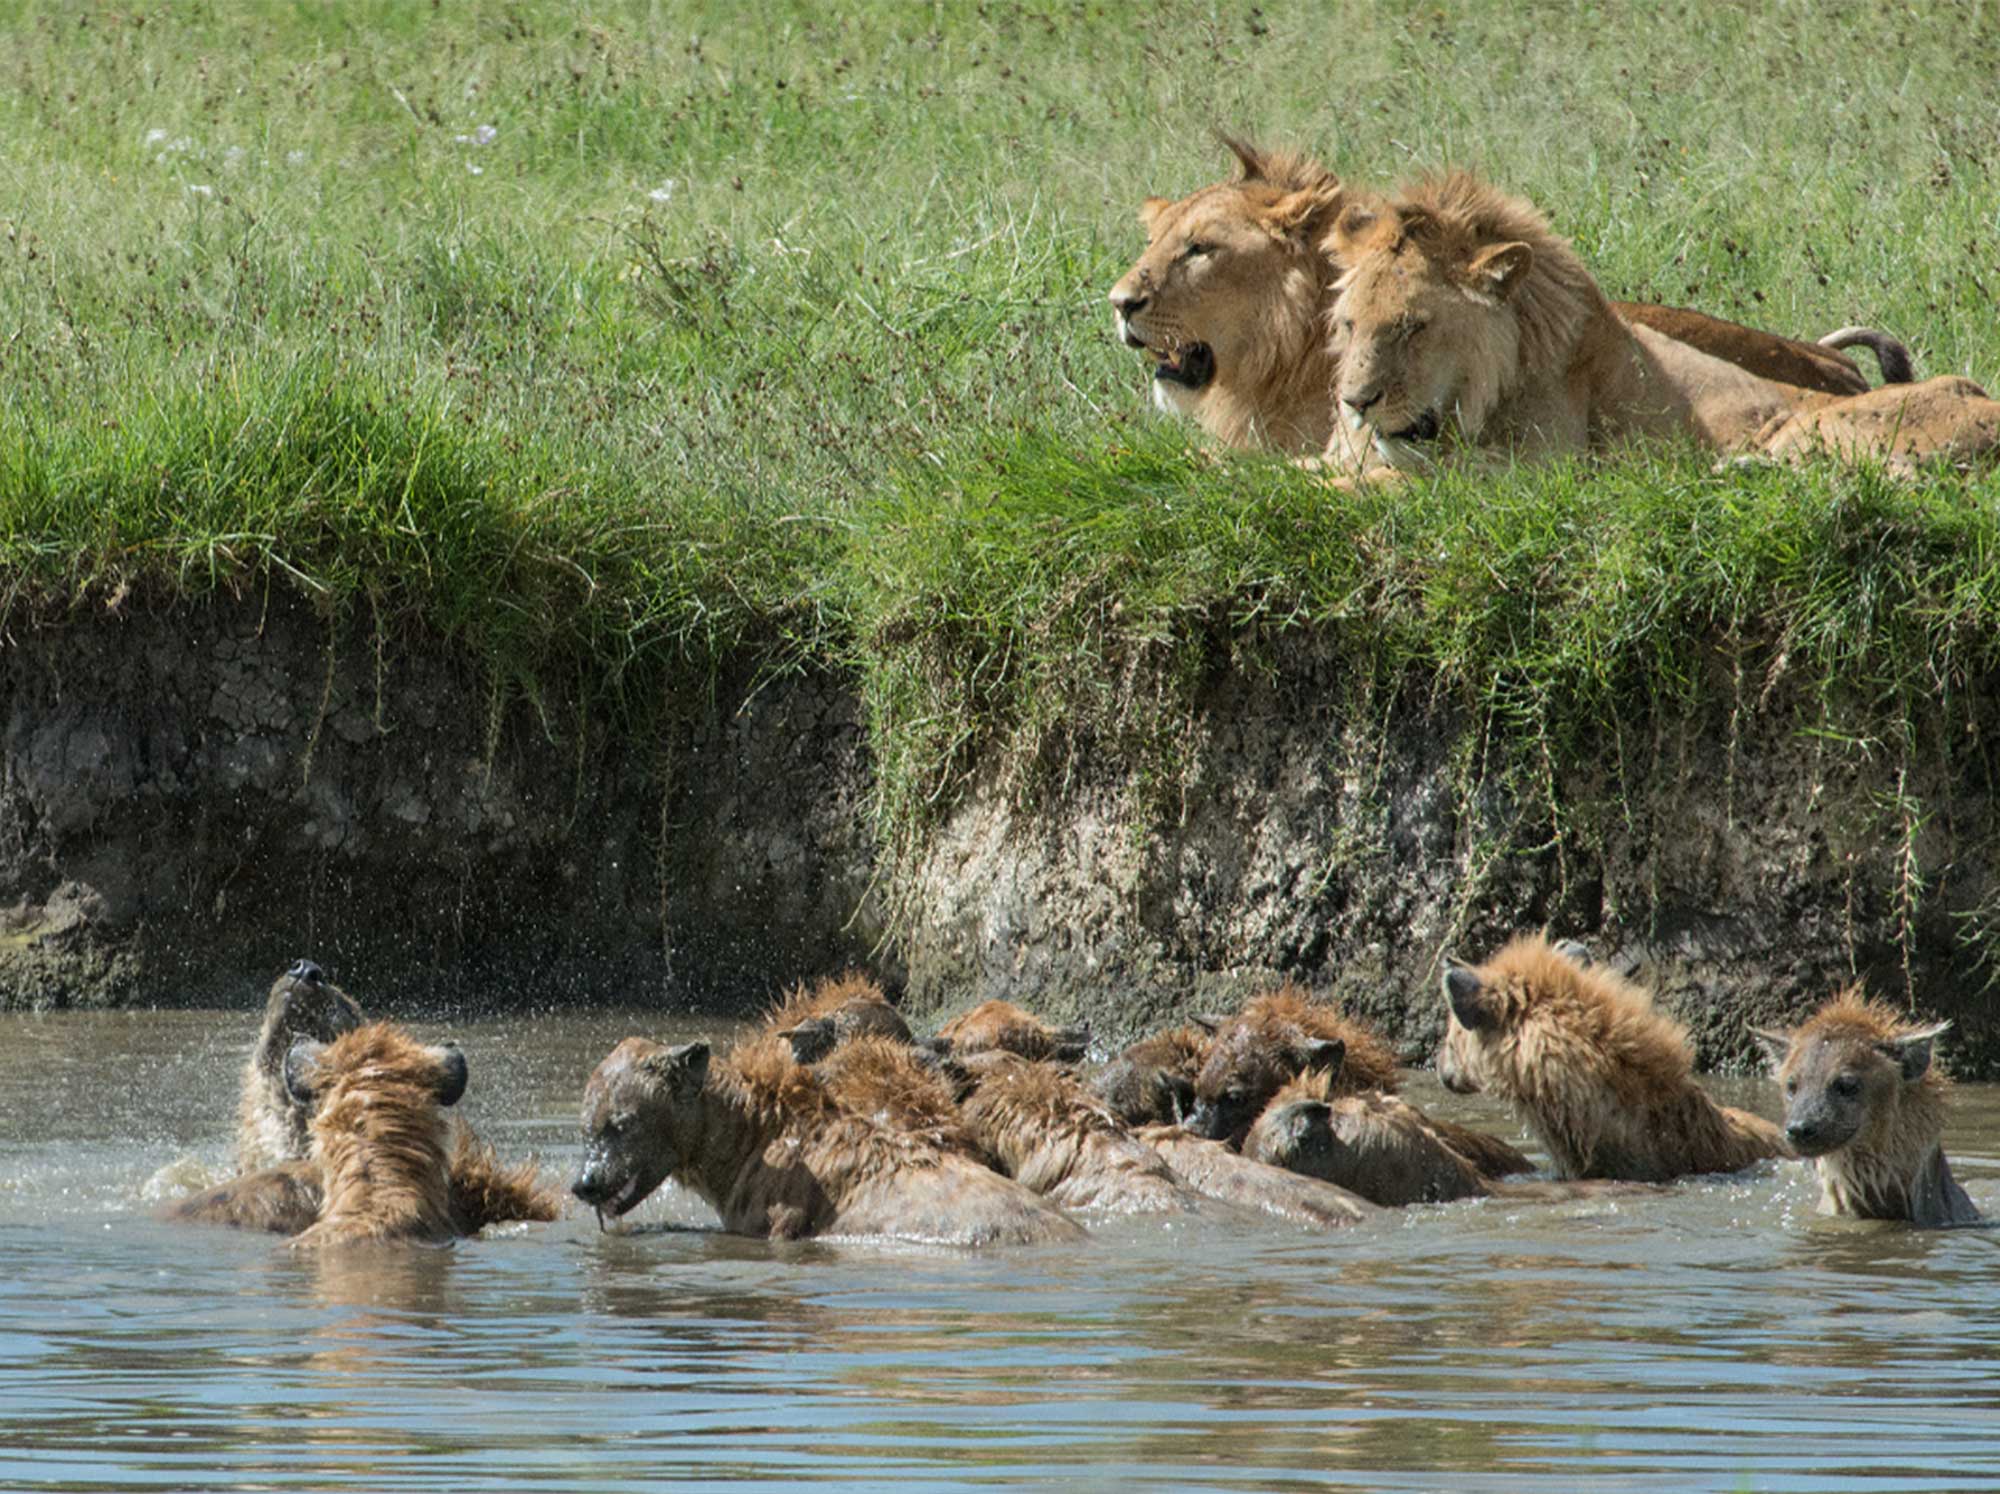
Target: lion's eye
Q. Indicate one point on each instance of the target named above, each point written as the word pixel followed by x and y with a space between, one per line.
pixel 1791 1086
pixel 1196 248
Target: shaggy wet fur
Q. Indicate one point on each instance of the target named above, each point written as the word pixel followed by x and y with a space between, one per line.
pixel 1865 1101
pixel 1373 1144
pixel 271 1124
pixel 769 1146
pixel 1152 1082
pixel 831 1010
pixel 1603 1079
pixel 1214 1171
pixel 378 1136
pixel 1048 1132
pixel 1001 1026
pixel 1274 1039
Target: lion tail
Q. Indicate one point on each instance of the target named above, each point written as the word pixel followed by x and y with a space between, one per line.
pixel 1891 354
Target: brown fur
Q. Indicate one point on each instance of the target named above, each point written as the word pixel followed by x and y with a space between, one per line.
pixel 1468 327
pixel 1866 1103
pixel 1266 310
pixel 1275 1038
pixel 271 1124
pixel 1004 1027
pixel 1946 422
pixel 282 1200
pixel 852 1003
pixel 1254 300
pixel 1373 1144
pixel 884 1080
pixel 1152 1082
pixel 1601 1077
pixel 771 1148
pixel 1819 366
pixel 1214 1171
pixel 1051 1134
pixel 378 1138
pixel 485 1192
pixel 1390 1152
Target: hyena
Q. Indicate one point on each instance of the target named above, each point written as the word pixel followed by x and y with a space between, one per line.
pixel 1865 1101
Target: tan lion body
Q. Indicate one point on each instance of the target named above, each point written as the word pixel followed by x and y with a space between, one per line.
pixel 1865 1102
pixel 1946 421
pixel 1259 301
pixel 1601 1077
pixel 1469 328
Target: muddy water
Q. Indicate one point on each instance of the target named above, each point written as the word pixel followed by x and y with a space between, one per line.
pixel 1720 1336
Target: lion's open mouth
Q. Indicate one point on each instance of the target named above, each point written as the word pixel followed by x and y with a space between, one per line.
pixel 1424 428
pixel 1191 367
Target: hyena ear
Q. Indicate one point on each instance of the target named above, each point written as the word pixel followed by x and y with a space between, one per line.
pixel 1575 951
pixel 302 1070
pixel 1913 1050
pixel 684 1066
pixel 1324 1053
pixel 451 1074
pixel 1470 1000
pixel 811 1040
pixel 1777 1045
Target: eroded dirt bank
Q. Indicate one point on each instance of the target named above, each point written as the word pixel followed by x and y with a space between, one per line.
pixel 189 800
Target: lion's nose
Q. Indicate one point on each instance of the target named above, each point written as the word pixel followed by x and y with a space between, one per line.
pixel 1361 400
pixel 1128 303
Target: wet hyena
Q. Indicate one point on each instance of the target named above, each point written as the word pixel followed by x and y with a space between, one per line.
pixel 1604 1079
pixel 1865 1101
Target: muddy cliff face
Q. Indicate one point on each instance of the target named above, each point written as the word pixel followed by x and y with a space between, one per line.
pixel 1739 861
pixel 190 800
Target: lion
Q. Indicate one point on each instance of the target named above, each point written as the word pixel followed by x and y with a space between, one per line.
pixel 764 1141
pixel 1604 1080
pixel 1945 421
pixel 1865 1102
pixel 1231 297
pixel 1468 328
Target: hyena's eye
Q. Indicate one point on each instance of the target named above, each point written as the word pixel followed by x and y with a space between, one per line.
pixel 1791 1086
pixel 1846 1085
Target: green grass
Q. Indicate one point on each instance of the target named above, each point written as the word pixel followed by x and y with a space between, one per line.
pixel 648 339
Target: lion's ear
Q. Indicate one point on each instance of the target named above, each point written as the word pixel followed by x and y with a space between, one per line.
pixel 1499 269
pixel 1150 211
pixel 1307 213
pixel 1351 231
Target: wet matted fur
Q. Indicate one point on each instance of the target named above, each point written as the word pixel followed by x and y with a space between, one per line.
pixel 765 1142
pixel 1864 1099
pixel 271 1124
pixel 1278 1036
pixel 1601 1077
pixel 379 1134
pixel 1001 1026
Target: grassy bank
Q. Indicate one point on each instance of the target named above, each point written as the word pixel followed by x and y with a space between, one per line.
pixel 638 340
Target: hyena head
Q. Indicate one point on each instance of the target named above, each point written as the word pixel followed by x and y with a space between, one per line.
pixel 642 1116
pixel 1843 1080
pixel 1247 1063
